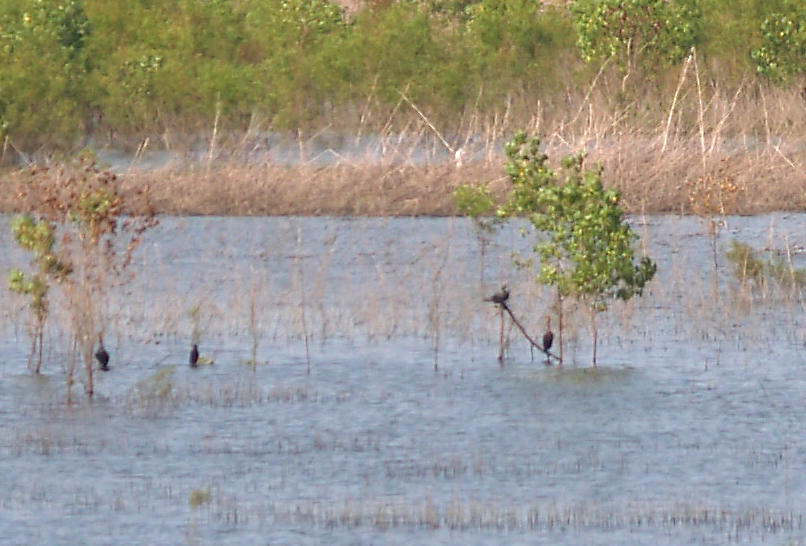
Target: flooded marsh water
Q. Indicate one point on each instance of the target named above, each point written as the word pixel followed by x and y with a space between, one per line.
pixel 376 411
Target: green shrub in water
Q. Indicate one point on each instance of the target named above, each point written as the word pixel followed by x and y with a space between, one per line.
pixel 199 497
pixel 754 272
pixel 584 242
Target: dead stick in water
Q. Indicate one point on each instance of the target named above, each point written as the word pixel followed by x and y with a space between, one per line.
pixel 501 336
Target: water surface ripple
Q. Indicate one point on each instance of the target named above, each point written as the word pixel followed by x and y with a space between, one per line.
pixel 690 431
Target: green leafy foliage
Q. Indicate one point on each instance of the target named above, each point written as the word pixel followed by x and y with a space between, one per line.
pixel 37 237
pixel 69 68
pixel 782 54
pixel 588 253
pixel 528 171
pixel 758 274
pixel 636 32
pixel 477 202
pixel 43 67
pixel 506 24
pixel 516 44
pixel 585 244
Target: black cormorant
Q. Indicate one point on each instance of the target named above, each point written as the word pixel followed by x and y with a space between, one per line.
pixel 548 337
pixel 499 297
pixel 101 355
pixel 194 356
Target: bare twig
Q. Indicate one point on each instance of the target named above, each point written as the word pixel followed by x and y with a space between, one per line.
pixel 428 122
pixel 674 100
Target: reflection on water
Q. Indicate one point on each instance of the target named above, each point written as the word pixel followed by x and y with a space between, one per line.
pixel 690 431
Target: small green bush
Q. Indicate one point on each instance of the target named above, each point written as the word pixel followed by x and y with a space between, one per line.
pixel 584 242
pixel 754 272
pixel 198 497
pixel 37 235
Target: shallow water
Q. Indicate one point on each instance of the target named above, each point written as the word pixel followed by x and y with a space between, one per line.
pixel 690 431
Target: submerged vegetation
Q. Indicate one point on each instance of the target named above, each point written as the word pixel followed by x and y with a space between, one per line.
pixel 82 230
pixel 583 241
pixel 761 275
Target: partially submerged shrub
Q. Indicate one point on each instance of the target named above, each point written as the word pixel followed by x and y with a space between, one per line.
pixel 584 242
pixel 78 220
pixel 759 274
pixel 198 497
pixel 37 237
pixel 156 391
pixel 712 197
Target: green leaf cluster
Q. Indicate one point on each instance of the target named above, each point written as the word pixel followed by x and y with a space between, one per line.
pixel 635 32
pixel 586 248
pixel 528 171
pixel 477 202
pixel 757 273
pixel 782 54
pixel 37 237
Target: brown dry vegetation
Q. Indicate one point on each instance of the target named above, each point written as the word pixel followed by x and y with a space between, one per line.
pixel 766 179
pixel 357 190
pixel 751 136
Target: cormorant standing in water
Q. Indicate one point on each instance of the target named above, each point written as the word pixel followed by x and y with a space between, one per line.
pixel 499 297
pixel 194 356
pixel 101 355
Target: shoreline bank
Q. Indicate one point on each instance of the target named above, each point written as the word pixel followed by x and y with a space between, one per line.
pixel 680 182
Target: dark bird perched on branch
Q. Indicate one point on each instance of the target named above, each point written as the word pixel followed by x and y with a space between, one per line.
pixel 194 356
pixel 101 355
pixel 499 297
pixel 548 338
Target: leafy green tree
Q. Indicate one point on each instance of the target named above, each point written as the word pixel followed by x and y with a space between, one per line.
pixel 782 54
pixel 81 211
pixel 636 33
pixel 38 237
pixel 44 83
pixel 586 248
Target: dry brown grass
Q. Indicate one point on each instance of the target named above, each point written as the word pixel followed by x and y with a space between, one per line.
pixel 767 181
pixel 652 149
pixel 650 183
pixel 352 190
